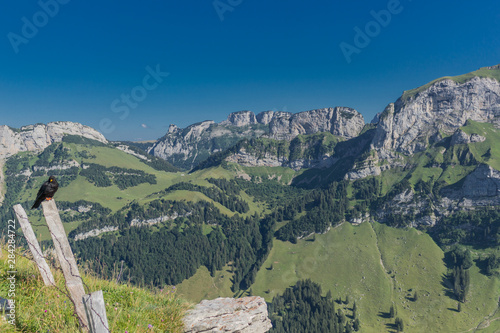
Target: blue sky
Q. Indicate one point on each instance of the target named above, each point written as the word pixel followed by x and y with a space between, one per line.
pixel 85 56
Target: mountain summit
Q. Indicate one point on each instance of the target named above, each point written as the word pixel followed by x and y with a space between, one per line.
pixel 189 146
pixel 426 114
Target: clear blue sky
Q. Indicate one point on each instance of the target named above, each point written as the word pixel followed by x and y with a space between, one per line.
pixel 263 55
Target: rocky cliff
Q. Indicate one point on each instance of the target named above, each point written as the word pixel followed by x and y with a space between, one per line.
pixel 340 121
pixel 191 145
pixel 40 136
pixel 426 114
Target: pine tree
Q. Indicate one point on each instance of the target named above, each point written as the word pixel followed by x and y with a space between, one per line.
pixel 415 297
pixel 459 307
pixel 354 310
pixel 355 324
pixel 392 312
pixel 399 324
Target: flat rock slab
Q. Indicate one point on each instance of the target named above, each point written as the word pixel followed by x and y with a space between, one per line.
pixel 242 315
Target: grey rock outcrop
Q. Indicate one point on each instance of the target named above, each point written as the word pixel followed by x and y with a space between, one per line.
pixel 460 137
pixel 409 206
pixel 244 158
pixel 187 147
pixel 264 117
pixel 40 136
pixel 409 125
pixel 149 222
pixel 243 315
pixel 484 181
pixel 94 232
pixel 341 121
pixel 241 118
pixel 480 188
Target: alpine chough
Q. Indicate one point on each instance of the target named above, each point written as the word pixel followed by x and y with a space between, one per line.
pixel 46 191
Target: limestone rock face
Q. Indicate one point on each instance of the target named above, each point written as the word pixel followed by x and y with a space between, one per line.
pixel 460 137
pixel 40 136
pixel 410 205
pixel 242 118
pixel 482 182
pixel 187 147
pixel 480 188
pixel 341 121
pixel 243 315
pixel 265 117
pixel 244 158
pixel 409 125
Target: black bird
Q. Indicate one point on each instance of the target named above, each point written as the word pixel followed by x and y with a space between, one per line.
pixel 46 191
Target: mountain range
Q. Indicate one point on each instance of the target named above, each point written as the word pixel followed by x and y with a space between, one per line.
pixel 373 211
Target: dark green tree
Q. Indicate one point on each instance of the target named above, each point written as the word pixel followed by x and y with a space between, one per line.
pixel 356 325
pixel 399 324
pixel 392 312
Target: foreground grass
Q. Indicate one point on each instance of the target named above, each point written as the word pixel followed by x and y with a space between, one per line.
pixel 47 309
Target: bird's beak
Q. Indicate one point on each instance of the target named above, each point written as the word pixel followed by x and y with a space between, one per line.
pixel 50 180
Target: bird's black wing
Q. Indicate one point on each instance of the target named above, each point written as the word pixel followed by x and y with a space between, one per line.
pixel 40 195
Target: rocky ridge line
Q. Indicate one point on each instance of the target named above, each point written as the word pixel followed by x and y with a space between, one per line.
pixel 40 136
pixel 195 142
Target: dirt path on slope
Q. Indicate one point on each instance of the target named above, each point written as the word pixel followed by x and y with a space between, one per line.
pixel 486 322
pixel 382 262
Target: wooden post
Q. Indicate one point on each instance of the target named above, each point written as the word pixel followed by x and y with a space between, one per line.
pixel 96 312
pixel 66 259
pixel 35 249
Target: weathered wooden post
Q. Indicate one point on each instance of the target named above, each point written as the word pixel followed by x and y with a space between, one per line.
pixel 66 259
pixel 34 247
pixel 96 312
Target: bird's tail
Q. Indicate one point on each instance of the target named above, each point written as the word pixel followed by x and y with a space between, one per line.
pixel 35 205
